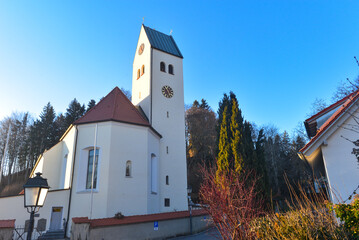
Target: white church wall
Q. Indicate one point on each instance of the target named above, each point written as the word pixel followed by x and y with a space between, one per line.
pixel 172 128
pixel 153 200
pixel 141 87
pixel 38 167
pixel 341 166
pixel 127 194
pixel 68 149
pixel 81 197
pixel 15 207
pixel 51 169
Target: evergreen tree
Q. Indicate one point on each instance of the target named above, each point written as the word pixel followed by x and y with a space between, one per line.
pixel 74 112
pixel 90 105
pixel 224 147
pixel 47 128
pixel 61 126
pixel 204 104
pixel 236 127
pixel 260 165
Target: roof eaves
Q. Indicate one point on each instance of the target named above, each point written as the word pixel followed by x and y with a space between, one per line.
pixel 327 109
pixel 335 117
pixel 174 42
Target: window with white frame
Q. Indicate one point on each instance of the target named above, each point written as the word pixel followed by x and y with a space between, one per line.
pixel 92 165
pixel 154 174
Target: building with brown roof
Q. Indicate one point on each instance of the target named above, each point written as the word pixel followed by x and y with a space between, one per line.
pixel 121 156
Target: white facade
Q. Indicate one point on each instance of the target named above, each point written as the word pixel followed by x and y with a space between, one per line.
pixel 330 154
pixel 166 115
pixel 155 178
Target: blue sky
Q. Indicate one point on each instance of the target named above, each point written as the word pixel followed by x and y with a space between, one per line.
pixel 276 56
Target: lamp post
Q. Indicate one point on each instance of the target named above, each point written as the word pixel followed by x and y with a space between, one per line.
pixel 35 191
pixel 189 191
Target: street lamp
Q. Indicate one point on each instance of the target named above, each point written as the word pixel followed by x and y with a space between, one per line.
pixel 189 191
pixel 35 191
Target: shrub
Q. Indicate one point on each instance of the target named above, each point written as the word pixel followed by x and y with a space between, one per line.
pixel 349 215
pixel 232 202
pixel 308 218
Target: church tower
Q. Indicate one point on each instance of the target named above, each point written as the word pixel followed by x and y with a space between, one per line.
pixel 157 87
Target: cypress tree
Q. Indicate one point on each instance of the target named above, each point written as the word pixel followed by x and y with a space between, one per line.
pixel 236 127
pixel 224 147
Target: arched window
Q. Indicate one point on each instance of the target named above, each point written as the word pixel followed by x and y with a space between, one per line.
pixel 138 73
pixel 163 67
pixel 143 70
pixel 170 69
pixel 128 168
pixel 154 174
pixel 92 164
pixel 167 180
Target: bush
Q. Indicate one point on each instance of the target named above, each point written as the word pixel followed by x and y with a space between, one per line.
pixel 308 218
pixel 232 202
pixel 349 215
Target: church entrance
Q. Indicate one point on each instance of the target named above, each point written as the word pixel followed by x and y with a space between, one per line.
pixel 56 216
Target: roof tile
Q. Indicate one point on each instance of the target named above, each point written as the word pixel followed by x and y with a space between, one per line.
pixel 350 99
pixel 114 107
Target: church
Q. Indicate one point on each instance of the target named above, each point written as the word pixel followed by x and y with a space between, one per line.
pixel 122 156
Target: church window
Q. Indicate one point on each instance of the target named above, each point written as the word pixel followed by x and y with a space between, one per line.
pixel 168 114
pixel 167 180
pixel 170 69
pixel 138 73
pixel 142 70
pixel 90 167
pixel 154 174
pixel 167 202
pixel 167 149
pixel 128 168
pixel 163 67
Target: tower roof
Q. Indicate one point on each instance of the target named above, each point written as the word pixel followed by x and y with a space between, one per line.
pixel 114 107
pixel 162 42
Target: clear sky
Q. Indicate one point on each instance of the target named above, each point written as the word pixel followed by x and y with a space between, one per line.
pixel 276 56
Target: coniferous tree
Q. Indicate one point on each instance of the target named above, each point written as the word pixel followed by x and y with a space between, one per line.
pixel 90 105
pixel 224 147
pixel 236 127
pixel 61 126
pixel 260 165
pixel 47 127
pixel 74 112
pixel 204 104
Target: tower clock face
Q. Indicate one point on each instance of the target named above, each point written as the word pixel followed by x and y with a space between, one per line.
pixel 140 50
pixel 167 91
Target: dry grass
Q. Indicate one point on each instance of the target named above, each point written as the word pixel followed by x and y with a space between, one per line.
pixel 308 218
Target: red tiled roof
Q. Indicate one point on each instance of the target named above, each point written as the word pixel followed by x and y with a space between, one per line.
pixel 7 223
pixel 102 222
pixel 327 109
pixel 350 99
pixel 114 107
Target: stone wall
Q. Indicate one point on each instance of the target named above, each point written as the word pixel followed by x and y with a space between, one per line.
pixel 6 229
pixel 153 226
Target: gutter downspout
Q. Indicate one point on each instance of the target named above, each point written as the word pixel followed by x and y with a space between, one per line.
pixel 72 180
pixel 151 84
